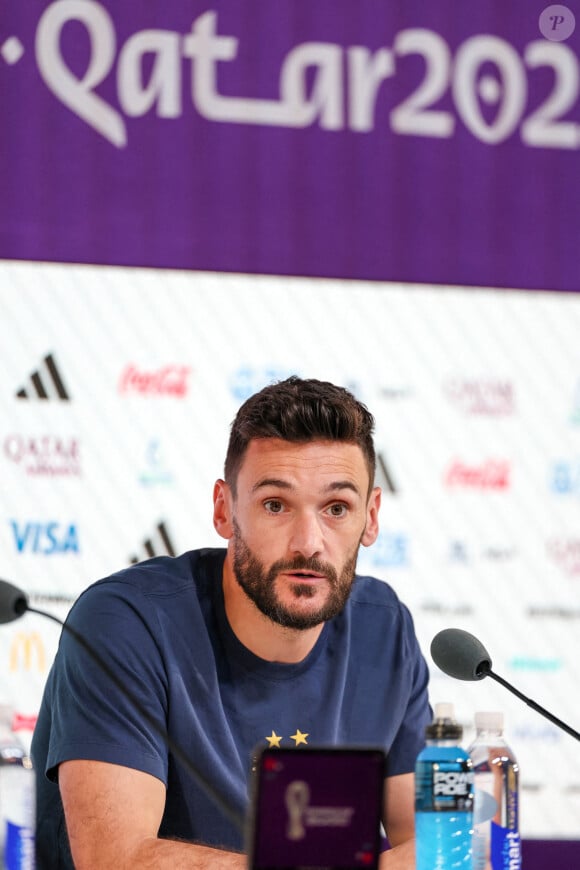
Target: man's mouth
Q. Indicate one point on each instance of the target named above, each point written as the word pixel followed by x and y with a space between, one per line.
pixel 306 575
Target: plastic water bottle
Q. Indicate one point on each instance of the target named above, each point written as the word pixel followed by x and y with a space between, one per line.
pixel 17 800
pixel 443 797
pixel 496 838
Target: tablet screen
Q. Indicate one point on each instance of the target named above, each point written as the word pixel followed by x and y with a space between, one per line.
pixel 316 808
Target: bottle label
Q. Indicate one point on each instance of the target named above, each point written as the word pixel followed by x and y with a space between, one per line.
pixel 19 847
pixel 506 851
pixel 17 815
pixel 444 786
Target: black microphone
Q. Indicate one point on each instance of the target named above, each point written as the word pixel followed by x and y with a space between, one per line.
pixel 461 655
pixel 14 604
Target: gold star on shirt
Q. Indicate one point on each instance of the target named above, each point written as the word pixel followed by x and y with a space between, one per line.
pixel 273 740
pixel 299 737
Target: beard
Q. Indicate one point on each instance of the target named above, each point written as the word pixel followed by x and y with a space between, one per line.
pixel 259 584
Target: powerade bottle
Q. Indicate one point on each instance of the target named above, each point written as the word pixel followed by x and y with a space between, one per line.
pixel 17 800
pixel 443 797
pixel 496 838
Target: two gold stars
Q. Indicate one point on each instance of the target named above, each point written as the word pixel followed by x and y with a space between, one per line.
pixel 298 738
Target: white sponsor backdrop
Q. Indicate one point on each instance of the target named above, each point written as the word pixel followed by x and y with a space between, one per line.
pixel 477 401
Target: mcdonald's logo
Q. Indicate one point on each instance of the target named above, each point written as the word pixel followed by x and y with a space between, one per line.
pixel 27 647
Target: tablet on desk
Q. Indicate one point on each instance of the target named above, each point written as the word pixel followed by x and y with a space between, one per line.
pixel 316 808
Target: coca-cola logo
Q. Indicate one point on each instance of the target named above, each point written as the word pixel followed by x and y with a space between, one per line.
pixel 493 474
pixel 50 455
pixel 491 397
pixel 170 380
pixel 24 721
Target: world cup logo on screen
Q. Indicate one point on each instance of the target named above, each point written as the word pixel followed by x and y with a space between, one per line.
pixel 297 798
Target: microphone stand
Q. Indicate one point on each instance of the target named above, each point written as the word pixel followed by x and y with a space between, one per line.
pixel 485 670
pixel 175 750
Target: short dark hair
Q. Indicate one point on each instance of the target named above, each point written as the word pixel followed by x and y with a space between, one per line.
pixel 300 411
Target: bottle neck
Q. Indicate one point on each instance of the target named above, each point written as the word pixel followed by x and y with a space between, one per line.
pixel 489 735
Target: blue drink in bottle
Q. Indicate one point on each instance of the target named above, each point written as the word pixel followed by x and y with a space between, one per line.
pixel 443 797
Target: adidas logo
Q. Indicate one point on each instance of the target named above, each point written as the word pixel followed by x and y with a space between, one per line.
pixel 45 383
pixel 383 476
pixel 164 546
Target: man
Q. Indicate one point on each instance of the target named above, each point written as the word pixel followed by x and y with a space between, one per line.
pixel 272 642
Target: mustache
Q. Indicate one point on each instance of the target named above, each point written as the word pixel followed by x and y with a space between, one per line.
pixel 302 563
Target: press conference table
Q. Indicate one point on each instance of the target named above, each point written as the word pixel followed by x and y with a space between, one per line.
pixel 554 854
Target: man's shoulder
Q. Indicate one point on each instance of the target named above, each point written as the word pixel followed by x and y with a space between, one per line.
pixel 368 590
pixel 379 619
pixel 164 576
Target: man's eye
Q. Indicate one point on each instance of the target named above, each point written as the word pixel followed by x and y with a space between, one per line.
pixel 273 506
pixel 337 510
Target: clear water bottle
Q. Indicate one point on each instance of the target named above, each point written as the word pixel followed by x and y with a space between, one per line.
pixel 17 800
pixel 496 838
pixel 443 797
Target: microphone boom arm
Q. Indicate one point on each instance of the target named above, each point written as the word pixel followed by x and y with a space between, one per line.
pixel 461 655
pixel 532 704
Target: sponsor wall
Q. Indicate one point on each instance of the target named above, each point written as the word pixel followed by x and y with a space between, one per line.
pixel 117 389
pixel 410 162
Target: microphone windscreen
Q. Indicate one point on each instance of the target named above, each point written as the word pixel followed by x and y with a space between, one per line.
pixel 13 602
pixel 461 655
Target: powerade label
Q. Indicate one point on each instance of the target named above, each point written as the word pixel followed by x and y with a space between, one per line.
pixel 506 853
pixel 444 786
pixel 19 847
pixel 451 784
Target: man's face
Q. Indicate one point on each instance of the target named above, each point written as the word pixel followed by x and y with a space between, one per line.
pixel 300 515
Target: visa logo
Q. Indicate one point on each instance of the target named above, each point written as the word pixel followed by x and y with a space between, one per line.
pixel 45 538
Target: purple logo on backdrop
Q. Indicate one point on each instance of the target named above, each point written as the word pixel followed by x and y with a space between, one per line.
pixel 481 396
pixel 238 139
pixel 44 455
pixel 319 82
pixel 565 553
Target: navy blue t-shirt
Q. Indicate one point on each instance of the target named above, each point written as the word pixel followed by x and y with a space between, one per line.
pixel 161 626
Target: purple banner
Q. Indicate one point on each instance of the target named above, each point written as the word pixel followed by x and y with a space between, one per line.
pixel 432 143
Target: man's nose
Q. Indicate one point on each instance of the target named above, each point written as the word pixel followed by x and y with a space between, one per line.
pixel 307 535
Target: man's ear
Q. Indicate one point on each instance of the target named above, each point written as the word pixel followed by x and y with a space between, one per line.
pixel 371 531
pixel 223 509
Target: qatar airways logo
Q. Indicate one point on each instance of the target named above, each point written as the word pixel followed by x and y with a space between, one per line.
pixel 477 396
pixel 493 474
pixel 565 553
pixel 43 455
pixel 170 380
